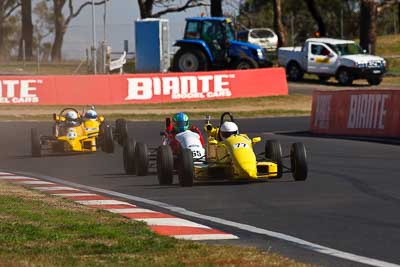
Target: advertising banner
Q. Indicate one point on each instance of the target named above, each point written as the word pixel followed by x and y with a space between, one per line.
pixel 142 88
pixel 356 112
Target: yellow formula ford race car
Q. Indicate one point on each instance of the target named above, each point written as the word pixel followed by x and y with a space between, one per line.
pixel 233 158
pixel 78 132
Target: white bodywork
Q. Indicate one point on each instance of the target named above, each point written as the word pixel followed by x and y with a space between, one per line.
pixel 191 140
pixel 330 61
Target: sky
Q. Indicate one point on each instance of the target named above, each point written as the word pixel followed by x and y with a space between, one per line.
pixel 121 16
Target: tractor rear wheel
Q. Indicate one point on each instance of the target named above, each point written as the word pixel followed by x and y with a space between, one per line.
pixel 298 159
pixel 188 60
pixel 165 165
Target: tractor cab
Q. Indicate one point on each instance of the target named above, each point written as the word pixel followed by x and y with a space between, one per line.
pixel 209 43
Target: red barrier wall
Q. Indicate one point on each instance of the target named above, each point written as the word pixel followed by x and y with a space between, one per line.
pixel 356 112
pixel 142 88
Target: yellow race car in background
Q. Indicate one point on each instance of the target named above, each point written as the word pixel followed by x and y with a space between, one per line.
pixel 80 134
pixel 233 158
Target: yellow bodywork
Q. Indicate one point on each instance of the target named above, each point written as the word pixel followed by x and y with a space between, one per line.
pixel 236 156
pixel 80 138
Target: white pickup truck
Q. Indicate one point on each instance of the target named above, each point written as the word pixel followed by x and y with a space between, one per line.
pixel 328 57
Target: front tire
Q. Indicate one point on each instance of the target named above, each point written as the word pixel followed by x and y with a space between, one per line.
pixel 273 151
pixel 107 140
pixel 294 72
pixel 165 165
pixel 129 156
pixel 245 64
pixel 121 130
pixel 298 159
pixel 36 148
pixel 141 159
pixel 185 168
pixel 189 60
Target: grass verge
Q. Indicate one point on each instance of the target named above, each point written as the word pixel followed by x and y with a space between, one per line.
pixel 289 105
pixel 39 230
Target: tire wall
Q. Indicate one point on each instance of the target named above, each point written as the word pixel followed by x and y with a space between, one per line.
pixel 373 113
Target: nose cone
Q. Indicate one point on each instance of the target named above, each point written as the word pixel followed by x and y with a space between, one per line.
pixel 248 169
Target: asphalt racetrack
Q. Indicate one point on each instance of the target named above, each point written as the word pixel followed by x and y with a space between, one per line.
pixel 350 201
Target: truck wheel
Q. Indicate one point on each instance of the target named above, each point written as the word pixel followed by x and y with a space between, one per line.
pixel 187 60
pixel 165 165
pixel 344 77
pixel 294 72
pixel 185 168
pixel 121 130
pixel 374 80
pixel 129 156
pixel 298 160
pixel 36 147
pixel 245 64
pixel 141 159
pixel 273 151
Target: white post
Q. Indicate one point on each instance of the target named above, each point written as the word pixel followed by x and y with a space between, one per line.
pixel 94 52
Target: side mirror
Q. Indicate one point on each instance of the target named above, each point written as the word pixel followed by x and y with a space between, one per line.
pixel 330 55
pixel 101 118
pixel 256 140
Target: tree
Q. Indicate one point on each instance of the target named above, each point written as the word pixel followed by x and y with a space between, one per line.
pixel 27 30
pixel 7 8
pixel 216 8
pixel 368 14
pixel 278 24
pixel 146 7
pixel 61 23
pixel 317 16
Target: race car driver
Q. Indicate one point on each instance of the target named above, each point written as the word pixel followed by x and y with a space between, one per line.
pixel 180 123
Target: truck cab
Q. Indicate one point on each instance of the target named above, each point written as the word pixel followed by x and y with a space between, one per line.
pixel 328 57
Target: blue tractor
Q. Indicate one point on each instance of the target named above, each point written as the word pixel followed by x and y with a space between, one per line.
pixel 209 44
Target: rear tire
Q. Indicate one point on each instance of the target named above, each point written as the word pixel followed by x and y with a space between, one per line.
pixel 273 151
pixel 129 156
pixel 298 159
pixel 36 148
pixel 141 159
pixel 185 168
pixel 165 165
pixel 245 64
pixel 294 72
pixel 189 59
pixel 344 77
